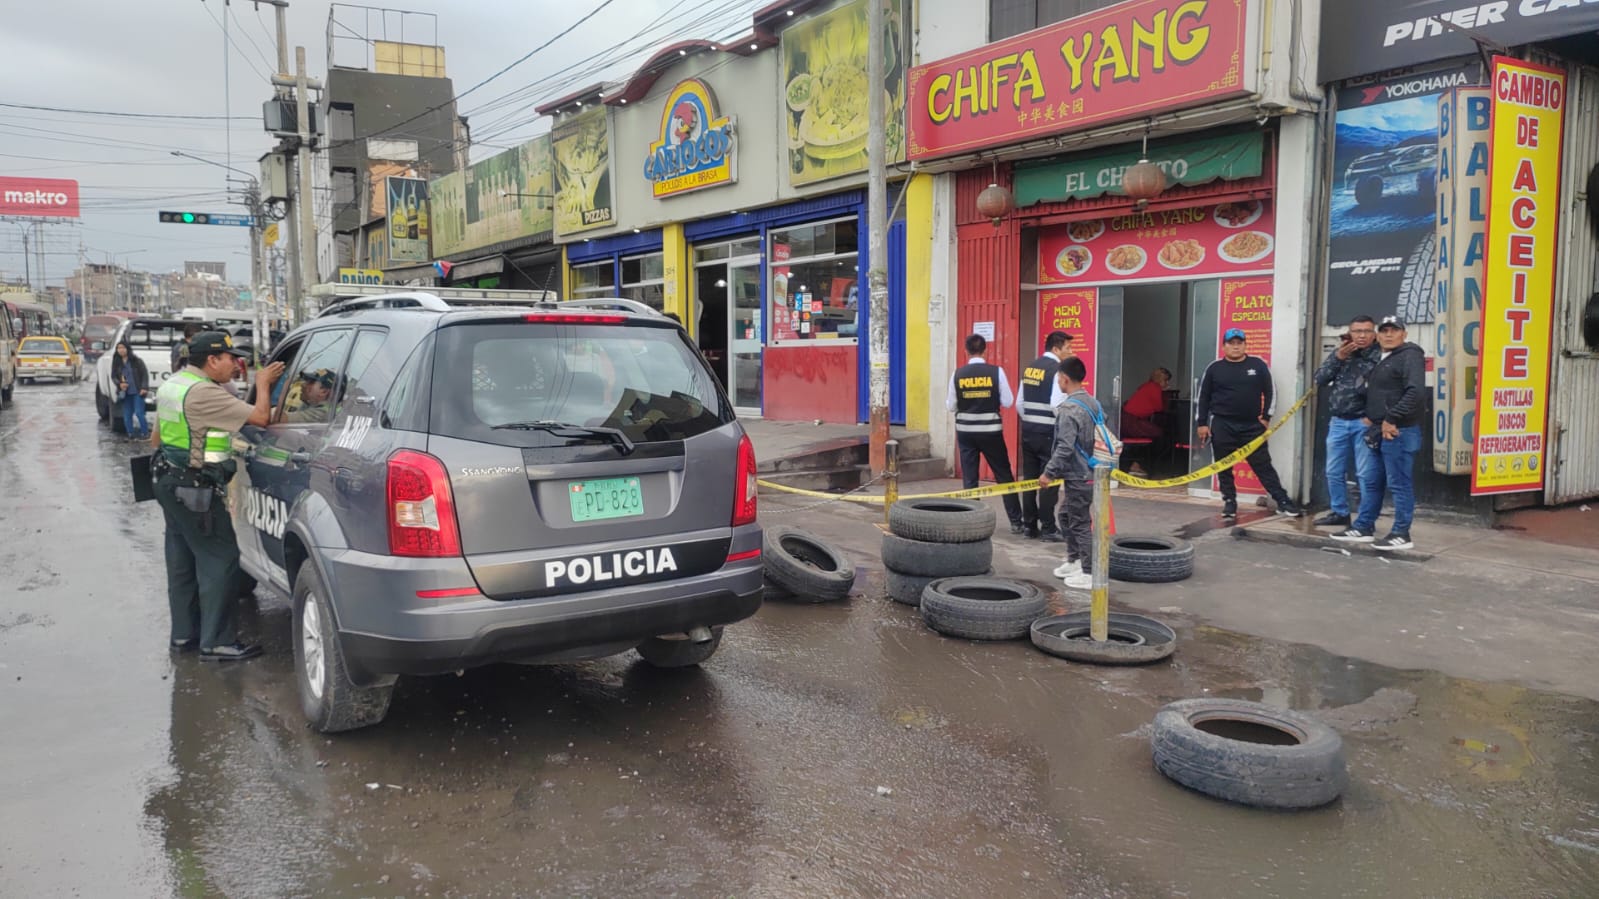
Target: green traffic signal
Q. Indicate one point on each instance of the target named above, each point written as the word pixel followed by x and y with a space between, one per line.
pixel 188 218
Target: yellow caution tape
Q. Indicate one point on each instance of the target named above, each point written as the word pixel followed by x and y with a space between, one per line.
pixel 1208 471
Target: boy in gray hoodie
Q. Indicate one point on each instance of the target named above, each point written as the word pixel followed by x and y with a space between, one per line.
pixel 1076 420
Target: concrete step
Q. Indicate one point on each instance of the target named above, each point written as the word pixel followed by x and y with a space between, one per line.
pixel 852 476
pixel 844 453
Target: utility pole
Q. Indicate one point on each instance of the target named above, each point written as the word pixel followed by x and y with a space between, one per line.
pixel 877 229
pixel 302 202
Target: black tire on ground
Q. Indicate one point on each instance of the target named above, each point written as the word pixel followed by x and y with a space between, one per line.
pixel 332 702
pixel 1368 191
pixel 907 588
pixel 665 652
pixel 102 406
pixel 942 520
pixel 982 608
pixel 1148 559
pixel 1133 639
pixel 807 566
pixel 937 559
pixel 1249 753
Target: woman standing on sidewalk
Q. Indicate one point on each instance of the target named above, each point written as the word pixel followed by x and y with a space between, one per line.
pixel 132 378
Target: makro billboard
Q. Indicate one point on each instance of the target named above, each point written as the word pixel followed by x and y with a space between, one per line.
pixel 505 197
pixel 39 197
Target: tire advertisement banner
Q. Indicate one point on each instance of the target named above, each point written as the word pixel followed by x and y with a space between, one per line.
pixel 1363 36
pixel 1528 127
pixel 1463 131
pixel 1381 258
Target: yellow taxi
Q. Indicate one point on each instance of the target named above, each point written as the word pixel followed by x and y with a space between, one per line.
pixel 47 357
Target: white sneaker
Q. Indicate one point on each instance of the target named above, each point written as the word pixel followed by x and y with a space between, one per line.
pixel 1080 580
pixel 1068 568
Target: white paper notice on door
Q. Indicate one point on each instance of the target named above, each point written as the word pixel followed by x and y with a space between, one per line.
pixel 986 329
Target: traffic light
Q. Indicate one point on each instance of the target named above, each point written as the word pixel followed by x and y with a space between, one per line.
pixel 186 218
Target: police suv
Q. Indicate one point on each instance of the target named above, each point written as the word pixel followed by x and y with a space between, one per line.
pixel 449 484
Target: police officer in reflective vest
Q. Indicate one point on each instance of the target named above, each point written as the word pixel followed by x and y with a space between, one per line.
pixel 197 417
pixel 976 394
pixel 1040 396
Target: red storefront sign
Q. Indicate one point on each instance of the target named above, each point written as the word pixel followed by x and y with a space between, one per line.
pixel 1246 305
pixel 39 197
pixel 1075 311
pixel 1126 61
pixel 1172 245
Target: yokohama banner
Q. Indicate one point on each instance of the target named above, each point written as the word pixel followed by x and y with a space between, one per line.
pixel 39 197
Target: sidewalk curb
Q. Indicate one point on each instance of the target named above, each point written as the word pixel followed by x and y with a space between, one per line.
pixel 1314 541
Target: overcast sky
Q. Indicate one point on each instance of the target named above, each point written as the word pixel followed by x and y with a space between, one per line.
pixel 166 57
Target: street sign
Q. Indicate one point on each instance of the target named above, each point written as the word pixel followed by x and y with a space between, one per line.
pixel 270 236
pixel 207 218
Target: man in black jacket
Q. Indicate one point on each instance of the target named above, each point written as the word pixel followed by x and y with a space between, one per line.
pixel 1235 406
pixel 1395 402
pixel 1345 371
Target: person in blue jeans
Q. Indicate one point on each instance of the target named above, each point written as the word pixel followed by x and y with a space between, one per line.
pixel 1343 376
pixel 1386 456
pixel 132 382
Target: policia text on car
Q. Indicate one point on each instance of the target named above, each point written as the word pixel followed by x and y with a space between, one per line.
pixel 192 464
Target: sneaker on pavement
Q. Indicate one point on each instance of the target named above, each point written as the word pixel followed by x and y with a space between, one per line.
pixel 1067 569
pixel 1051 537
pixel 1290 508
pixel 1082 580
pixel 1354 535
pixel 1031 533
pixel 1017 527
pixel 1229 509
pixel 231 652
pixel 1332 520
pixel 1393 542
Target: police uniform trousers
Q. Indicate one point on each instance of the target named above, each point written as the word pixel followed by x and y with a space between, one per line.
pixel 1038 509
pixel 1227 436
pixel 989 447
pixel 203 576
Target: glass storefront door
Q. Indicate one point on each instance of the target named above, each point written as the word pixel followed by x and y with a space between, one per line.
pixel 1204 320
pixel 727 279
pixel 744 292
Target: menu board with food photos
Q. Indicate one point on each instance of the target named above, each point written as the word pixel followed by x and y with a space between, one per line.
pixel 1167 245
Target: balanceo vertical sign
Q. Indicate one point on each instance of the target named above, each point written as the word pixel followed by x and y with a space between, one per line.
pixel 1529 106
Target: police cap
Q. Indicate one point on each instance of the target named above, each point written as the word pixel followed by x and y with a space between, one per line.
pixel 208 343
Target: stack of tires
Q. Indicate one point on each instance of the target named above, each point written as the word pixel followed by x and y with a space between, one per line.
pixel 932 539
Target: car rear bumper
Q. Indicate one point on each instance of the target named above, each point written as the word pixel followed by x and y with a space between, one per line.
pixel 45 371
pixel 386 628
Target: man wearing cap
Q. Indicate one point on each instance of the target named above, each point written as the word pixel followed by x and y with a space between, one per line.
pixel 1235 406
pixel 1395 402
pixel 1040 395
pixel 316 398
pixel 196 419
pixel 976 394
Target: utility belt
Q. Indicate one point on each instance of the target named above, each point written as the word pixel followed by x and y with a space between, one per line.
pixel 195 488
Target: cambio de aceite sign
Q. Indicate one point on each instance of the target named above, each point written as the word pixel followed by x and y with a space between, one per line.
pixel 39 197
pixel 1529 106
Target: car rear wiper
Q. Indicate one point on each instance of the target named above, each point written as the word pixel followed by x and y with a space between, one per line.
pixel 566 429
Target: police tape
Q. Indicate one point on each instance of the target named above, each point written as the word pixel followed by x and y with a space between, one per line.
pixel 1028 486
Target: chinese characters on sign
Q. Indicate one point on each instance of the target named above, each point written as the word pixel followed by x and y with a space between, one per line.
pixel 1528 123
pixel 1114 64
pixel 1170 245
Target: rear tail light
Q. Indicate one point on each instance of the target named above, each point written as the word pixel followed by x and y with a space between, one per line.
pixel 421 508
pixel 744 489
pixel 574 319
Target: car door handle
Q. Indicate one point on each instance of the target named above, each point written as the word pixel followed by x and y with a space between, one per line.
pixel 300 457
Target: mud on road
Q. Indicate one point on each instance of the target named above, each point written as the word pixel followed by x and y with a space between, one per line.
pixel 1008 773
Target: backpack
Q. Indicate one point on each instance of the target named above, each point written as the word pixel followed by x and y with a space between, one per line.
pixel 1107 449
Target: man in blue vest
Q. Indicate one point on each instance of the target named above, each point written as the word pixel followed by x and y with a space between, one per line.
pixel 976 394
pixel 196 418
pixel 1040 395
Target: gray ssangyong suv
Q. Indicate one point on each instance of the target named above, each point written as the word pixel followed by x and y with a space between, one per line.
pixel 447 486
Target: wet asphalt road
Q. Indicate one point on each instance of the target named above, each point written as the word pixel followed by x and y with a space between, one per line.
pixel 124 772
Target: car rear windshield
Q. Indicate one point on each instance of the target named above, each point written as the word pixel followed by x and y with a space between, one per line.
pixel 38 346
pixel 100 330
pixel 644 381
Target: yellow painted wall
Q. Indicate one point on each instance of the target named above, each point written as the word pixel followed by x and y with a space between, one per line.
pixel 677 271
pixel 566 276
pixel 918 287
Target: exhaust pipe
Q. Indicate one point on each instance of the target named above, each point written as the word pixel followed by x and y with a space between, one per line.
pixel 701 634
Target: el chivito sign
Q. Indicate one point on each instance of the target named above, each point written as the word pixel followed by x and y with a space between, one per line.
pixel 1526 130
pixel 1118 63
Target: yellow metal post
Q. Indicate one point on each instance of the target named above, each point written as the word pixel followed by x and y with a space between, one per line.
pixel 890 477
pixel 1099 605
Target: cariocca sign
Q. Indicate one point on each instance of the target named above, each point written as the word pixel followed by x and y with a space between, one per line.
pixel 696 149
pixel 1126 61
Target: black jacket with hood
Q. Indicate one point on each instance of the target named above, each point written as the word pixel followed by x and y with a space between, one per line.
pixel 1396 388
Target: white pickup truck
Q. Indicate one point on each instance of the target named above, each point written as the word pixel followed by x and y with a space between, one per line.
pixel 152 340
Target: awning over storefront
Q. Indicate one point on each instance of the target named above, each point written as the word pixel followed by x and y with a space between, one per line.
pixel 1359 37
pixel 1189 163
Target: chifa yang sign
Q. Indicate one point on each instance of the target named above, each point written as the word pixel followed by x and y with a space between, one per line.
pixel 696 149
pixel 39 197
pixel 1528 123
pixel 1121 62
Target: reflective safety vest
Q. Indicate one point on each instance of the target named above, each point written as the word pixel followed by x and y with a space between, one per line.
pixel 977 399
pixel 1038 385
pixel 173 424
